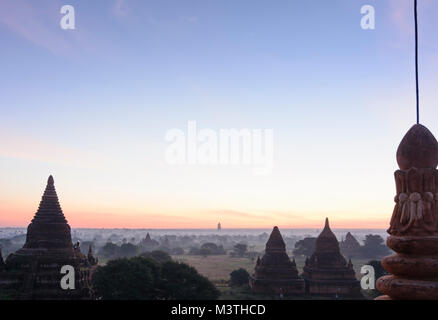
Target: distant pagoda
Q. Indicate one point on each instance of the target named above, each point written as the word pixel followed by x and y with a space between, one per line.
pixel 350 247
pixel 274 272
pixel 33 272
pixel 414 223
pixel 326 272
pixel 219 227
pixel 148 242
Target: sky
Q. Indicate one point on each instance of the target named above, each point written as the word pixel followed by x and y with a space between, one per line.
pixel 92 106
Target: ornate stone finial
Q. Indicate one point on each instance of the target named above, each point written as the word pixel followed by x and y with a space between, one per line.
pixel 415 211
pixel 414 223
pixel 50 181
pixel 327 225
pixel 418 149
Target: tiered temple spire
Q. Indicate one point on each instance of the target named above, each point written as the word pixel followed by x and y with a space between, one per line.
pixel 326 272
pixel 274 272
pixel 34 270
pixel 350 247
pixel 49 228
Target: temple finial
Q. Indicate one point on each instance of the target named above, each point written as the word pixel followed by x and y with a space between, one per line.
pixel 327 225
pixel 50 181
pixel 418 149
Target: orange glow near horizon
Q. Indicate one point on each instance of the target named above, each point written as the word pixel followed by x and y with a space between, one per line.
pixel 22 218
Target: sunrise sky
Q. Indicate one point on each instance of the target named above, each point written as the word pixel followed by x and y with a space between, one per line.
pixel 92 107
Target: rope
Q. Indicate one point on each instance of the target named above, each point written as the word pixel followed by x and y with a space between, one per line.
pixel 416 64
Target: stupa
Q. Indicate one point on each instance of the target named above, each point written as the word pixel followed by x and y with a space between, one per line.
pixel 274 272
pixel 350 247
pixel 148 242
pixel 414 224
pixel 326 272
pixel 33 272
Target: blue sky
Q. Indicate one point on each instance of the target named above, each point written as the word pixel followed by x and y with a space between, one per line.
pixel 92 106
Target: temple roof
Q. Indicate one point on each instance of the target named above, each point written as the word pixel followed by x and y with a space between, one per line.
pixel 275 240
pixel 350 239
pixel 49 228
pixel 275 263
pixel 327 240
pixel 418 149
pixel 49 208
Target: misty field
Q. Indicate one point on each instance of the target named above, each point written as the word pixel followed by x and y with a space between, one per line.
pixel 217 268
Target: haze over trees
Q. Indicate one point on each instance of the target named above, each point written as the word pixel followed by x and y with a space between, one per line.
pixel 141 278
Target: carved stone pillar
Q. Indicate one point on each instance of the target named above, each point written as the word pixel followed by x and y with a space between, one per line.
pixel 414 223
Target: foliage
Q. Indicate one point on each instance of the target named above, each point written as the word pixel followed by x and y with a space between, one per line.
pixel 124 279
pixel 305 247
pixel 240 249
pixel 141 278
pixel 239 277
pixel 379 272
pixel 109 250
pixel 374 247
pixel 128 250
pixel 182 282
pixel 157 255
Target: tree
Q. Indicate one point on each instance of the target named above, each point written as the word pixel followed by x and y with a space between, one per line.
pixel 128 250
pixel 373 240
pixel 109 250
pixel 141 278
pixel 379 272
pixel 305 247
pixel 124 279
pixel 239 277
pixel 240 249
pixel 374 247
pixel 183 282
pixel 210 246
pixel 157 255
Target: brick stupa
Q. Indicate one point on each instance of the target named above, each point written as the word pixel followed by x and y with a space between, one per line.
pixel 350 247
pixel 33 272
pixel 275 272
pixel 414 224
pixel 326 272
pixel 148 242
